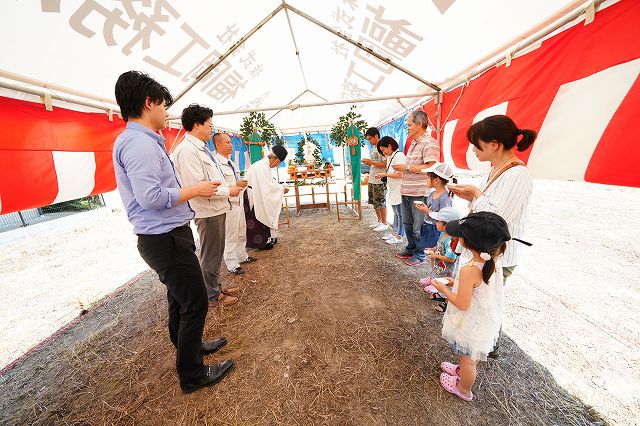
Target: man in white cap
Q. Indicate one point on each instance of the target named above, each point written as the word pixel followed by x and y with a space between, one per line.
pixel 265 199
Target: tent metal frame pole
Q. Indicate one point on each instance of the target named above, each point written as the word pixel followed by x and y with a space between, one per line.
pixel 438 117
pixel 361 46
pixel 524 41
pixel 316 104
pixel 306 91
pixel 295 45
pixel 289 103
pixel 42 93
pixel 54 87
pixel 236 45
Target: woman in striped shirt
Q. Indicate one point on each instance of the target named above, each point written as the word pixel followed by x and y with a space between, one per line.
pixel 507 188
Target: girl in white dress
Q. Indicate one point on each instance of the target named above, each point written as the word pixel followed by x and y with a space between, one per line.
pixel 471 324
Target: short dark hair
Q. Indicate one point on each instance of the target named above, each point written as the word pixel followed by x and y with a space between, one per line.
pixel 372 131
pixel 195 114
pixel 502 129
pixel 132 90
pixel 385 142
pixel 217 138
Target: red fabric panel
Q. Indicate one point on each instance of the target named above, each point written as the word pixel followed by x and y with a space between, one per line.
pixel 27 180
pixel 28 126
pixel 170 136
pixel 105 174
pixel 532 81
pixel 616 158
pixel 407 144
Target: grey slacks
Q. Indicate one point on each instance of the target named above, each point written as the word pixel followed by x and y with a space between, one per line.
pixel 211 232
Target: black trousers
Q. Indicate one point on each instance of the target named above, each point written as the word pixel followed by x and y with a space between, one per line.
pixel 172 256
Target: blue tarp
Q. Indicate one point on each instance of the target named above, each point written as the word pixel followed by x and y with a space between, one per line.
pixel 240 151
pixel 397 129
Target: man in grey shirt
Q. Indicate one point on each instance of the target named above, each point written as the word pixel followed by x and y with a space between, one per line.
pixel 377 188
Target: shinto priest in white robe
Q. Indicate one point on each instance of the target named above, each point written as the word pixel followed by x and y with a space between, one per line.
pixel 265 193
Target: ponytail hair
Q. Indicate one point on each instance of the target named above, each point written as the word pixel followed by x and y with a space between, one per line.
pixel 443 180
pixel 502 129
pixel 489 267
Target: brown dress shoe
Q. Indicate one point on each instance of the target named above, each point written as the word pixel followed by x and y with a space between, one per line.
pixel 231 291
pixel 226 300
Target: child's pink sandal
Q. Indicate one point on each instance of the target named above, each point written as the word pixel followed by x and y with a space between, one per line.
pixel 425 281
pixel 430 289
pixel 449 383
pixel 449 368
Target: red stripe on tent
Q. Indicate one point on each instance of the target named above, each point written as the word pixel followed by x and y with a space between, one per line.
pixel 615 160
pixel 27 180
pixel 28 126
pixel 105 177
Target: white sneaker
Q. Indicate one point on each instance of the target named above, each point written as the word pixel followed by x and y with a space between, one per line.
pixel 381 227
pixel 374 225
pixel 386 236
pixel 394 240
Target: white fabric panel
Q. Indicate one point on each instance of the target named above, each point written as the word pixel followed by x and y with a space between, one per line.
pixel 76 174
pixel 435 39
pixel 472 160
pixel 578 116
pixel 447 138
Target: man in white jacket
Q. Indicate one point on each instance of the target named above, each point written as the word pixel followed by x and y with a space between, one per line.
pixel 235 250
pixel 265 193
pixel 195 163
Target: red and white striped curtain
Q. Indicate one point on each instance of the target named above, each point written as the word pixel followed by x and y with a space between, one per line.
pixel 580 89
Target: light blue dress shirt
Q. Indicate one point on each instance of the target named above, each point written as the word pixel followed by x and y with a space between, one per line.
pixel 147 182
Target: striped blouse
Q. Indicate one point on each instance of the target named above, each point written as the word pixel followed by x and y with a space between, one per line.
pixel 509 197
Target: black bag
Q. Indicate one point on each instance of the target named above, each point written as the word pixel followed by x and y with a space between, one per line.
pixel 384 178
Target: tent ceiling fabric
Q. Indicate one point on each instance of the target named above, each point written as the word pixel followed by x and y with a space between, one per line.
pixel 86 44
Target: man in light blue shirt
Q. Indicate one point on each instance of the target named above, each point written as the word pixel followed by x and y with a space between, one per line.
pixel 157 208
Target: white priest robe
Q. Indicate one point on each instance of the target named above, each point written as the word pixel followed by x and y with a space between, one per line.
pixel 265 193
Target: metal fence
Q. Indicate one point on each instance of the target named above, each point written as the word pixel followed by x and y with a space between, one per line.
pixel 23 218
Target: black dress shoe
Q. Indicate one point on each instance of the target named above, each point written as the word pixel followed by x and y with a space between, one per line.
pixel 494 354
pixel 210 346
pixel 212 375
pixel 237 270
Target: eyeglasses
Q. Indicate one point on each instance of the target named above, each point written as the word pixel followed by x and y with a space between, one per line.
pixel 209 124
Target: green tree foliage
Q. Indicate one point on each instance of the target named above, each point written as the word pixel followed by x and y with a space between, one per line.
pixel 339 130
pixel 266 130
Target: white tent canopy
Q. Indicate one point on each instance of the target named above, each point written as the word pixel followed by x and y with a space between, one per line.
pixel 574 77
pixel 86 44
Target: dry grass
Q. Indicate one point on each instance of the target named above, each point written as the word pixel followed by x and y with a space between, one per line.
pixel 330 329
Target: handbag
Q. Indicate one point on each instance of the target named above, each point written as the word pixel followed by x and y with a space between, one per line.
pixel 384 179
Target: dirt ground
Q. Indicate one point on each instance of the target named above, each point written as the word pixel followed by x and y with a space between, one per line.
pixel 331 329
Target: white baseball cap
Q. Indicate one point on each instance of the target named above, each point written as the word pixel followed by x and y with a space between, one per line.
pixel 442 170
pixel 446 214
